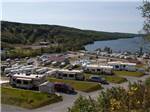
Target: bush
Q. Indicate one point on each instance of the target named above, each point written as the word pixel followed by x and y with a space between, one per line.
pixel 135 99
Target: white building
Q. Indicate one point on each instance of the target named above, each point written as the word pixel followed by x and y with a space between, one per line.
pixel 99 69
pixel 118 65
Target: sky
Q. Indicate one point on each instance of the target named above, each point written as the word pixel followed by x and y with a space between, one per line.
pixel 100 15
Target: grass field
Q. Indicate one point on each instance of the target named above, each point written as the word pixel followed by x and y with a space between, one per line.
pixel 115 79
pixel 127 73
pixel 79 85
pixel 27 98
pixel 109 78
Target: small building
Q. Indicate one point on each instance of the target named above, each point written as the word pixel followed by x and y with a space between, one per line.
pixel 27 81
pixel 99 69
pixel 118 65
pixel 47 87
pixel 69 74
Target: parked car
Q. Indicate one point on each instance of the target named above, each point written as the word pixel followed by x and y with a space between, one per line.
pixel 62 87
pixel 98 79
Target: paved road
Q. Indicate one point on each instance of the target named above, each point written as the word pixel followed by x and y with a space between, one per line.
pixel 69 99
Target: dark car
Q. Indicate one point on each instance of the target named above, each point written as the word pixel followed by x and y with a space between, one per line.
pixel 98 79
pixel 65 88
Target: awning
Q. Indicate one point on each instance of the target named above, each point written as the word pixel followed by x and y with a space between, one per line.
pixel 24 79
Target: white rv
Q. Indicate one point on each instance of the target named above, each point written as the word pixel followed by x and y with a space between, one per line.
pixel 69 74
pixel 99 69
pixel 118 65
pixel 27 81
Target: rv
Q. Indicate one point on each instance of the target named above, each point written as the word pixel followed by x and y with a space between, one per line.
pixel 69 74
pixel 27 81
pixel 118 65
pixel 99 69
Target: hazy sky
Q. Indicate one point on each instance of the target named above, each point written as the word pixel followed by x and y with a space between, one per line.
pixel 114 16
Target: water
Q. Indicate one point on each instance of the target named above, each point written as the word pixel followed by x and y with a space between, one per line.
pixel 128 44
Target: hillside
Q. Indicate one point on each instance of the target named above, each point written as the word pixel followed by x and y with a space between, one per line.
pixel 20 39
pixel 29 34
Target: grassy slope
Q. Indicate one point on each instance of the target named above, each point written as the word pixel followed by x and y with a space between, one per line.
pixel 127 73
pixel 26 98
pixel 111 79
pixel 115 79
pixel 79 85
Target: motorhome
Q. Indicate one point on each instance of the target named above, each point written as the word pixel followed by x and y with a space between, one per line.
pixel 27 81
pixel 118 65
pixel 69 74
pixel 95 68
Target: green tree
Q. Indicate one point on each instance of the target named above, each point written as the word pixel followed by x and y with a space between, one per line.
pixel 145 8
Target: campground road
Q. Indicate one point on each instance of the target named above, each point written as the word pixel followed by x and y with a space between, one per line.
pixel 68 100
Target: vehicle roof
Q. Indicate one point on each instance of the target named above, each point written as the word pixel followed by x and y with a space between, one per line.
pixel 31 76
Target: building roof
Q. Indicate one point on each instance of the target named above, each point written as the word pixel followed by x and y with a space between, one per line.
pixel 24 79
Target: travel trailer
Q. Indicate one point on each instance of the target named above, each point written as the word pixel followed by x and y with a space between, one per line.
pixel 69 74
pixel 27 81
pixel 118 65
pixel 99 69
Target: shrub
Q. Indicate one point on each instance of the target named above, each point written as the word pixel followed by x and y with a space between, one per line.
pixel 135 99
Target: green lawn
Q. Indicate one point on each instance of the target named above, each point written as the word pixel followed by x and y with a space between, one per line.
pixel 79 85
pixel 109 78
pixel 27 98
pixel 127 73
pixel 115 79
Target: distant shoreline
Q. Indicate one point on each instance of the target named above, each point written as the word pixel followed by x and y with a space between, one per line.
pixel 121 44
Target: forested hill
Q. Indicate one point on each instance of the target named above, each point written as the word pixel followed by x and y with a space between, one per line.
pixel 31 34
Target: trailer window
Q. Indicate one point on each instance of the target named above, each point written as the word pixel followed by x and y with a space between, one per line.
pixel 98 70
pixel 25 82
pixel 124 66
pixel 71 75
pixel 19 81
pixel 117 66
pixel 14 80
pixel 64 75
